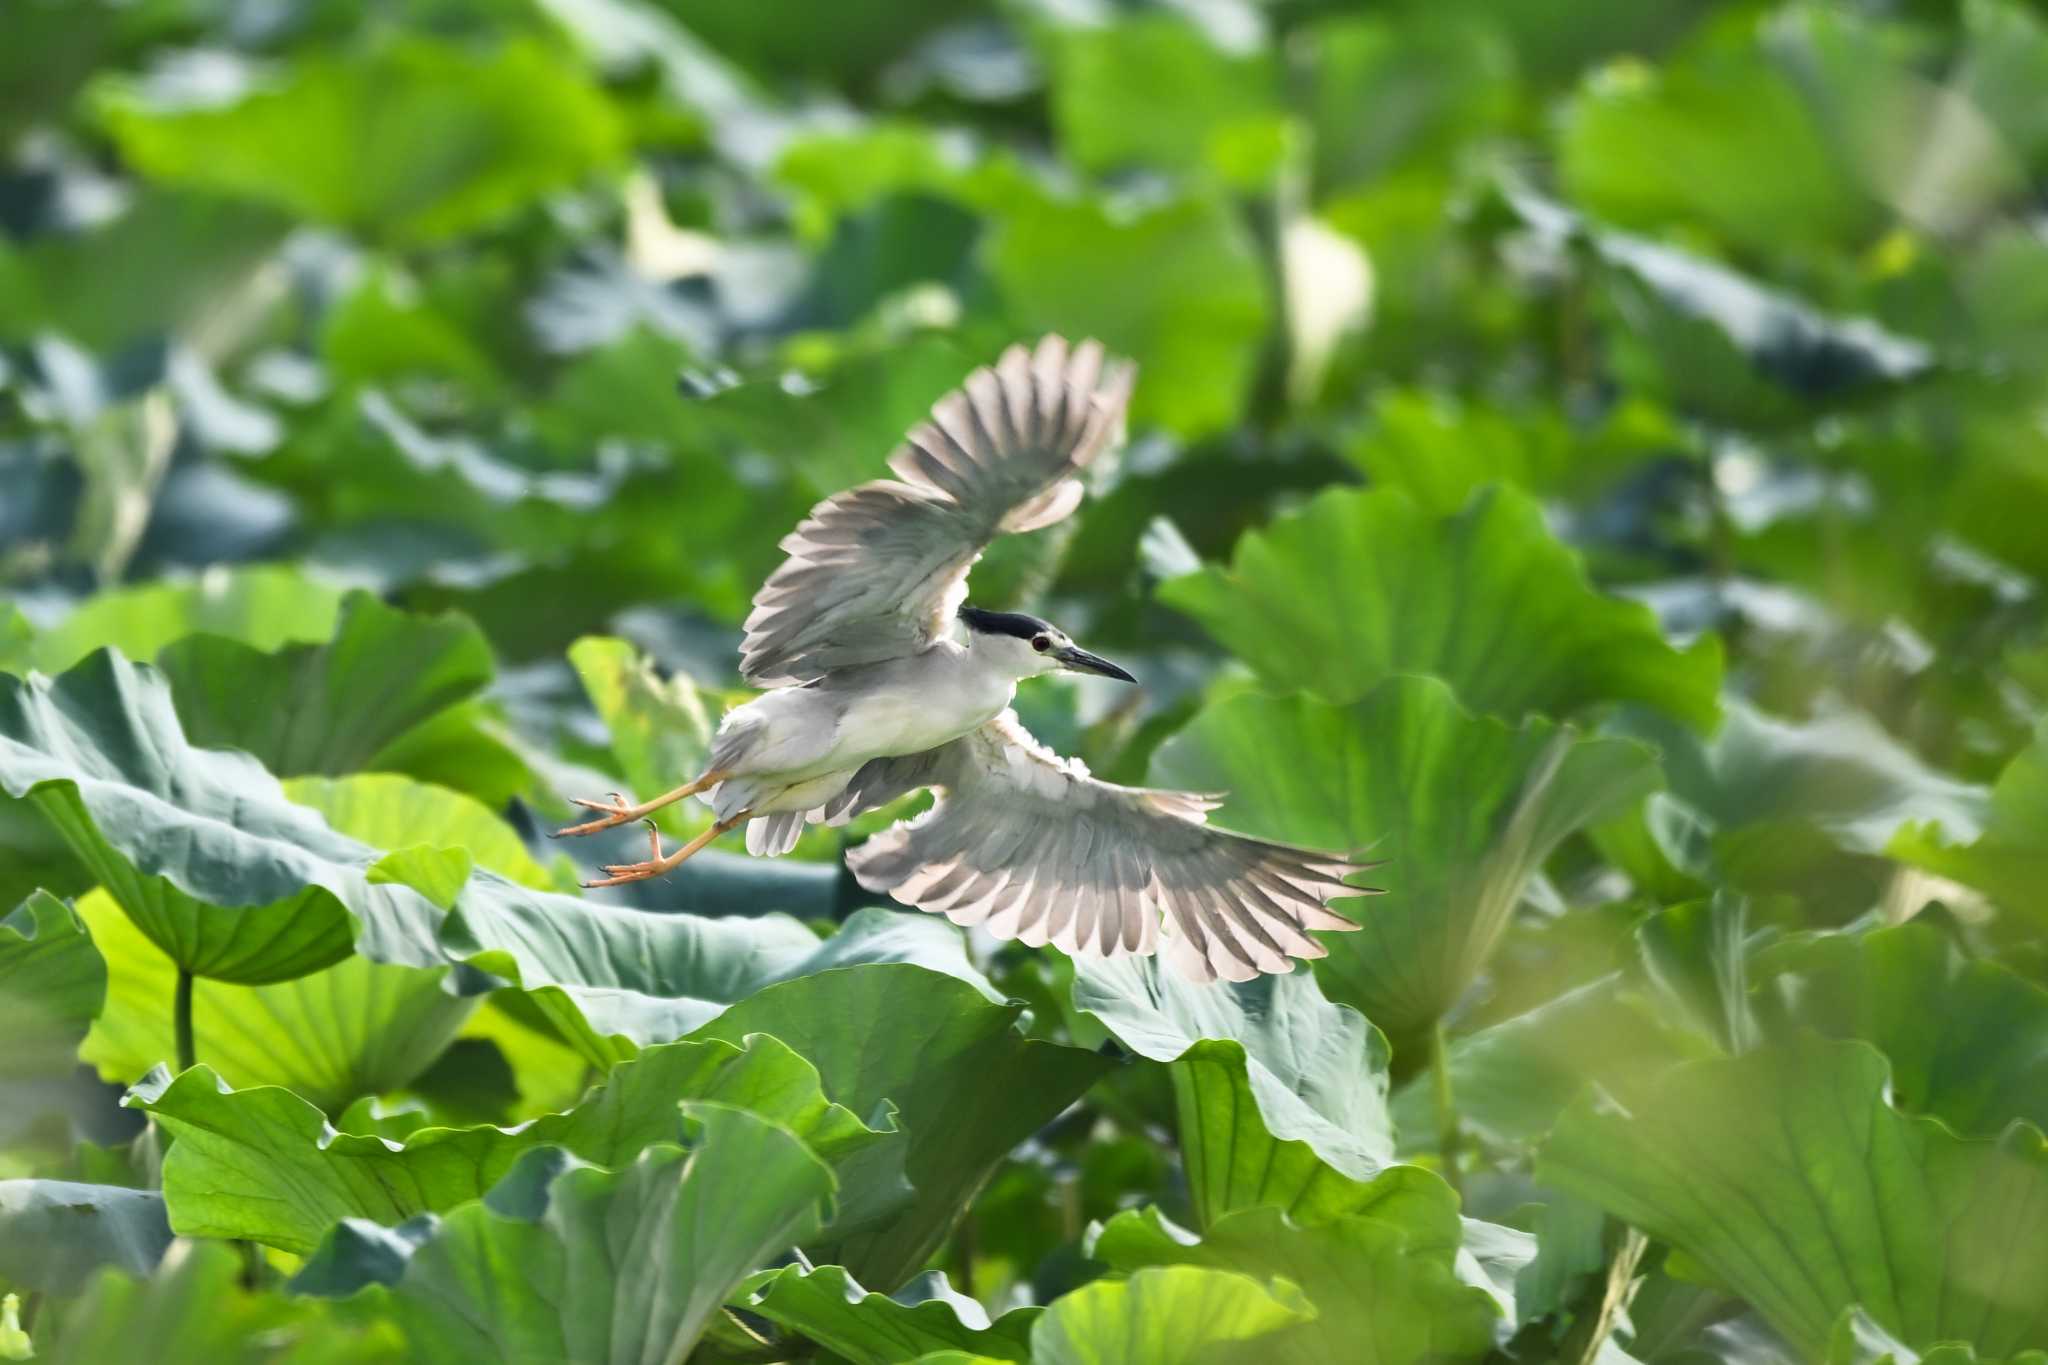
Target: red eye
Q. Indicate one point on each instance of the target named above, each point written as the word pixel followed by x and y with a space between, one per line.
pixel 1041 643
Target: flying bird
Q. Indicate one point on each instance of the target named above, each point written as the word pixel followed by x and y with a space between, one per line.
pixel 881 680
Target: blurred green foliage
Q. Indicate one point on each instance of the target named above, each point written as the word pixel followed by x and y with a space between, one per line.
pixel 1592 458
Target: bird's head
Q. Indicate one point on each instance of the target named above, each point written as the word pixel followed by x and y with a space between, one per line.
pixel 1026 646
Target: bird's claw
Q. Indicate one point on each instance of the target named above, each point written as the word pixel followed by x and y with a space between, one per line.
pixel 621 873
pixel 615 812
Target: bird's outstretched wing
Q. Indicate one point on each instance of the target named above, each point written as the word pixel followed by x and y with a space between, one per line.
pixel 877 572
pixel 1031 847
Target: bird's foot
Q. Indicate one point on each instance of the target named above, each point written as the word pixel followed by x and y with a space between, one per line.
pixel 621 873
pixel 613 813
pixel 618 874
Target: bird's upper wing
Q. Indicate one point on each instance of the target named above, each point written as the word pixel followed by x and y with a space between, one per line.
pixel 877 572
pixel 1033 848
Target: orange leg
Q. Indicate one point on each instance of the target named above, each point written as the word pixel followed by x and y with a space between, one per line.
pixel 656 863
pixel 618 812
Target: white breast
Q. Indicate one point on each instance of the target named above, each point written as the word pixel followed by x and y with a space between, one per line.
pixel 918 704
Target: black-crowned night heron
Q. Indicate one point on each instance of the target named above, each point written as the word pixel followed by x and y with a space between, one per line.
pixel 881 682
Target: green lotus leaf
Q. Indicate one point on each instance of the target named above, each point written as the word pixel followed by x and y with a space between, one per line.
pixel 1282 1096
pixel 1885 109
pixel 660 728
pixel 830 1308
pixel 868 397
pixel 1695 956
pixel 1726 141
pixel 355 1028
pixel 1440 450
pixel 36 856
pixel 1810 807
pixel 1381 1276
pixel 266 1166
pixel 1963 1037
pixel 1787 1175
pixel 1858 1340
pixel 233 881
pixel 162 264
pixel 1712 341
pixel 967 1084
pixel 1486 599
pixel 389 810
pixel 52 982
pixel 331 707
pixel 199 847
pixel 2007 856
pixel 610 981
pixel 55 1233
pixel 1154 91
pixel 407 139
pixel 1511 1080
pixel 598 1266
pixel 1462 808
pixel 195 1310
pixel 1165 1315
pixel 1176 286
pixel 505 1036
pixel 264 607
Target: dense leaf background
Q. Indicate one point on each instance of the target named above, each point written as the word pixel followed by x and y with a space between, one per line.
pixel 1592 458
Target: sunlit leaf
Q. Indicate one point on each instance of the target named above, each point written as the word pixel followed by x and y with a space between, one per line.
pixel 355 1028
pixel 263 607
pixel 1162 1316
pixel 1790 1178
pixel 203 851
pixel 1380 1276
pixel 660 727
pixel 1486 599
pixel 350 1029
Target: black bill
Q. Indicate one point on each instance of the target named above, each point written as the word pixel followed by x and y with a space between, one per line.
pixel 1081 661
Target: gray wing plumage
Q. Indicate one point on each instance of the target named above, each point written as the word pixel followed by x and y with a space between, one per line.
pixel 1031 847
pixel 877 572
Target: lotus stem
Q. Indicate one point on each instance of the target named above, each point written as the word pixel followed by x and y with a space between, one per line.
pixel 181 1020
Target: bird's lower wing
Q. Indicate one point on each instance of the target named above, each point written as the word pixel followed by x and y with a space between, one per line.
pixel 1032 848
